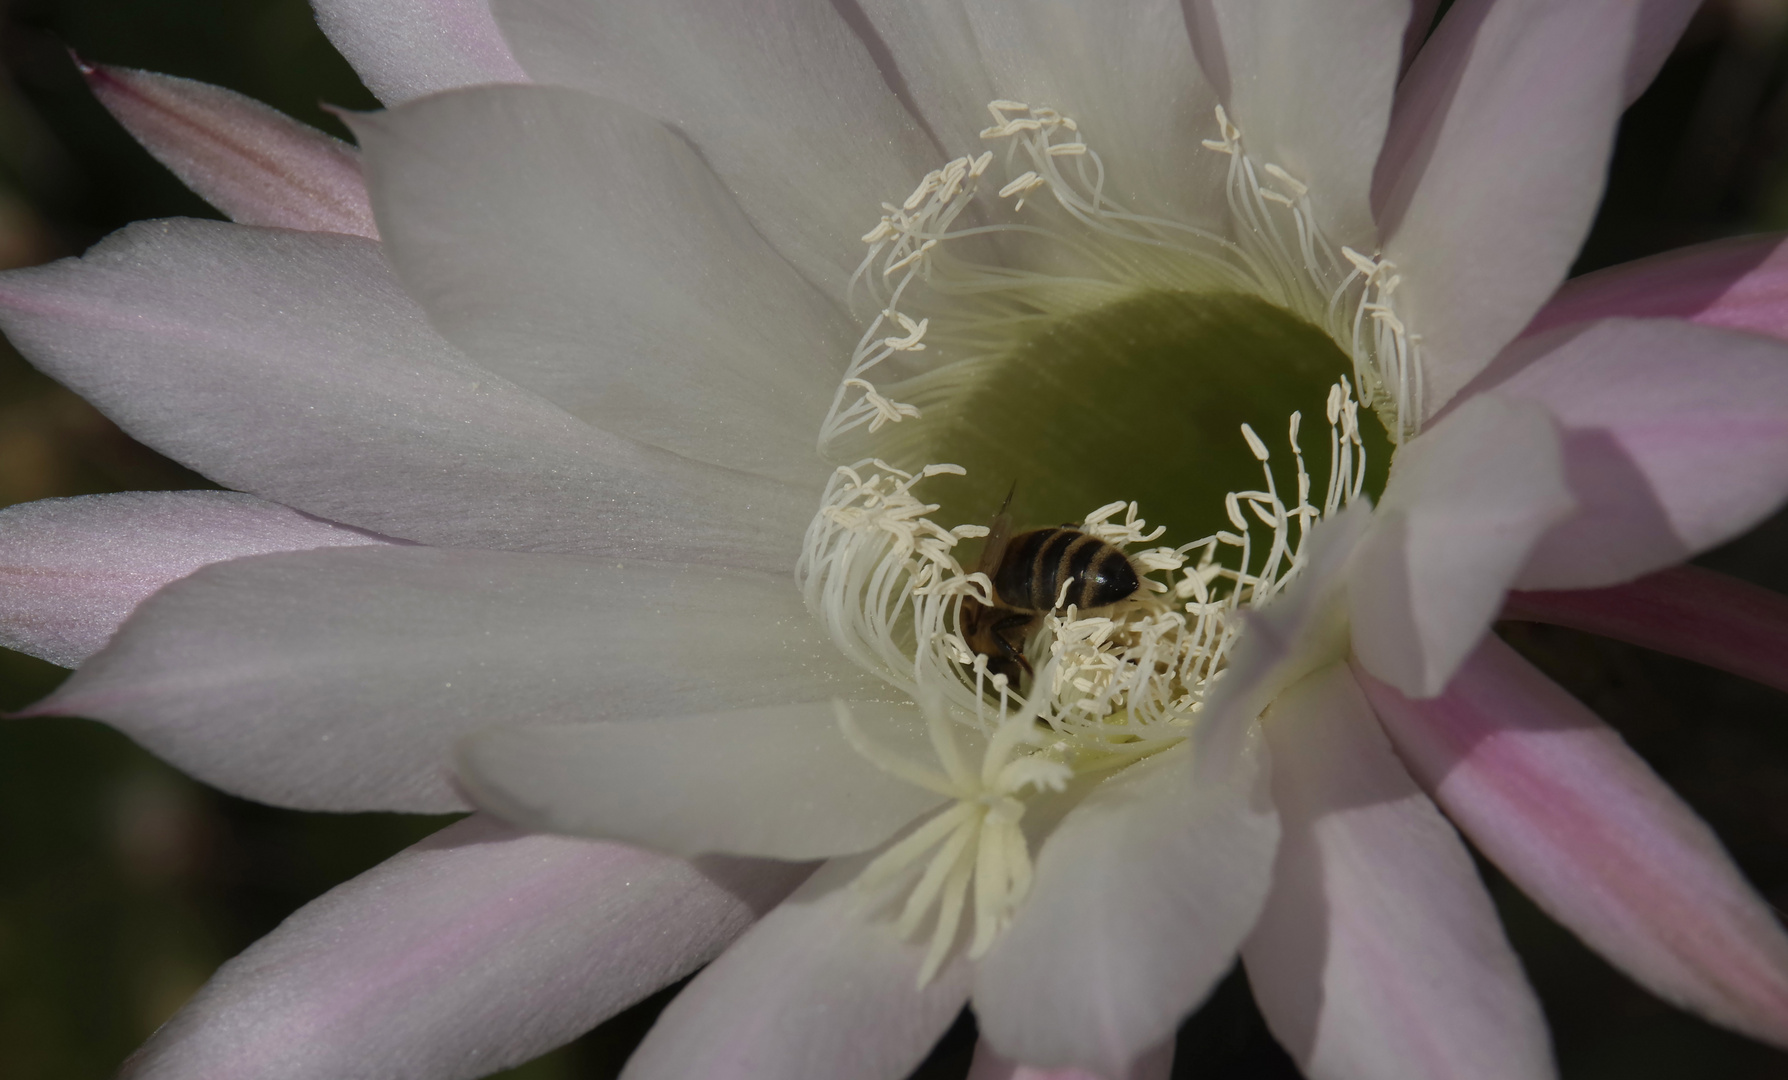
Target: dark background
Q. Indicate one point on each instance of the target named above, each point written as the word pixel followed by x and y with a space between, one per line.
pixel 123 884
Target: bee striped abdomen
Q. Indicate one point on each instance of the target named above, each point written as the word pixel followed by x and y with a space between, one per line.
pixel 1037 563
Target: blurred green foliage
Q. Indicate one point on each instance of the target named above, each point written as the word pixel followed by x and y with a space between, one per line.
pixel 123 884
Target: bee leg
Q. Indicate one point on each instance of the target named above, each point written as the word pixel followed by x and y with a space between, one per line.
pixel 1000 665
pixel 1012 657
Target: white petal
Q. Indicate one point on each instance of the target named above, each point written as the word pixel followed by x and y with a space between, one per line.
pixel 780 782
pixel 254 163
pixel 818 990
pixel 1379 955
pixel 780 96
pixel 1310 84
pixel 1464 506
pixel 291 365
pixel 404 49
pixel 1493 167
pixel 475 950
pixel 1302 629
pixel 608 271
pixel 1675 440
pixel 939 66
pixel 1141 897
pixel 1126 74
pixel 340 679
pixel 72 569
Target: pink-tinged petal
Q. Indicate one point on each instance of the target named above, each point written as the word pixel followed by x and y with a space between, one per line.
pixel 1554 797
pixel 1675 440
pixel 475 950
pixel 780 782
pixel 818 990
pixel 1741 284
pixel 1421 20
pixel 72 569
pixel 1685 611
pixel 1492 169
pixel 292 366
pixel 1465 504
pixel 1142 895
pixel 1660 25
pixel 1310 84
pixel 1379 955
pixel 341 679
pixel 403 49
pixel 254 163
pixel 608 270
pixel 780 96
pixel 989 1065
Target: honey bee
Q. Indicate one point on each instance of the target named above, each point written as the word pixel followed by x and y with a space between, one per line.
pixel 1030 573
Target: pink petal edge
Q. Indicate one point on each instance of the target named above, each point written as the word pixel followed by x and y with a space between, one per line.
pixel 72 570
pixel 1739 283
pixel 254 163
pixel 1157 1064
pixel 474 950
pixel 1685 611
pixel 1554 797
pixel 1379 955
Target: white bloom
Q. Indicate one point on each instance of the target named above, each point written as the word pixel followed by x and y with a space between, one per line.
pixel 1131 262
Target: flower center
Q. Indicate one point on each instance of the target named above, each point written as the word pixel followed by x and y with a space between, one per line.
pixel 1045 352
pixel 1141 399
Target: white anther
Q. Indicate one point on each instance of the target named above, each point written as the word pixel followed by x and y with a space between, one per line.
pixel 1072 149
pixel 1259 448
pixel 1012 127
pixel 913 257
pixel 1273 196
pixel 1022 184
pixel 925 188
pixel 1230 132
pixel 887 410
pixel 981 163
pixel 914 332
pixel 1297 186
pixel 881 232
pixel 1386 316
pixel 1365 264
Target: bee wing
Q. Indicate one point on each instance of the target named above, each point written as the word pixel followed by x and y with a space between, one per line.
pixel 999 531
